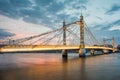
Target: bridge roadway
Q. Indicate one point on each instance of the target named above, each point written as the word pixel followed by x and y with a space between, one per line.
pixel 30 48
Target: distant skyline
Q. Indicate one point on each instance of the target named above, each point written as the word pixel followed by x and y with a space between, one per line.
pixel 20 18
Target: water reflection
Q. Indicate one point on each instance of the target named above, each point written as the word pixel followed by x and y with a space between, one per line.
pixel 103 67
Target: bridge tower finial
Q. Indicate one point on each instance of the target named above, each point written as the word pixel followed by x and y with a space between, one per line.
pixel 81 17
pixel 81 12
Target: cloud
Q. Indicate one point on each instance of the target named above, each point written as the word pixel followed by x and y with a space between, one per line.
pixel 115 27
pixel 113 9
pixel 5 33
pixel 19 26
pixel 108 30
pixel 39 11
pixel 20 3
pixel 49 13
pixel 33 11
pixel 11 8
pixel 108 26
pixel 99 18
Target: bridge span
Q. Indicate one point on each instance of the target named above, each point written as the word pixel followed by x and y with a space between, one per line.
pixel 28 48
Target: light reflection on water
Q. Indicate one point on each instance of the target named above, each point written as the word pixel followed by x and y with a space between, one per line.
pixel 36 66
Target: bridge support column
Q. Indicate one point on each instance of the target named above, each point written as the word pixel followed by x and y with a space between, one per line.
pixel 82 52
pixel 105 51
pixel 92 52
pixel 82 49
pixel 113 44
pixel 64 52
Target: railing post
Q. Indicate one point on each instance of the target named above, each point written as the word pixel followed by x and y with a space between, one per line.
pixel 64 52
pixel 82 44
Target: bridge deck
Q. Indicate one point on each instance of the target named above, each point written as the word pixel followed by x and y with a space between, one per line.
pixel 21 48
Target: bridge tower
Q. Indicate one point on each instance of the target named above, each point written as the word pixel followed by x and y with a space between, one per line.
pixel 82 44
pixel 113 44
pixel 104 42
pixel 105 45
pixel 64 52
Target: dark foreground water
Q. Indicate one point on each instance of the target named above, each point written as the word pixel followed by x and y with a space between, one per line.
pixel 37 66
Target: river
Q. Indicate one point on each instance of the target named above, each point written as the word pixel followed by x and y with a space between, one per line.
pixel 51 66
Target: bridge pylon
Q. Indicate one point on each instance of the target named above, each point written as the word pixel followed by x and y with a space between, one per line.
pixel 64 52
pixel 105 45
pixel 82 49
pixel 113 44
pixel 104 42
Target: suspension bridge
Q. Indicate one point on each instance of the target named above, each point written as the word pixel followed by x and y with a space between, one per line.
pixel 72 36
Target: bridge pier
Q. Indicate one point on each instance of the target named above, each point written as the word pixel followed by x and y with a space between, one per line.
pixel 113 50
pixel 64 53
pixel 92 52
pixel 105 51
pixel 82 52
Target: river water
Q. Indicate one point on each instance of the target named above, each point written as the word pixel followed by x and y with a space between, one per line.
pixel 51 66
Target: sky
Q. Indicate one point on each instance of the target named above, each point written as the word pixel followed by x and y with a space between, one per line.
pixel 21 18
